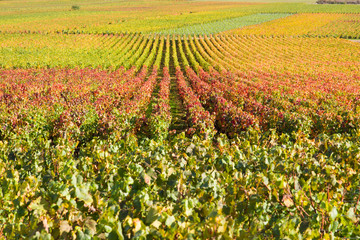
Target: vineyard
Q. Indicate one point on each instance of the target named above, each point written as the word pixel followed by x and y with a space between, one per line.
pixel 308 24
pixel 209 121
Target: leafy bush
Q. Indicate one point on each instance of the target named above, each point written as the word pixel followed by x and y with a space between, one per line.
pixel 75 7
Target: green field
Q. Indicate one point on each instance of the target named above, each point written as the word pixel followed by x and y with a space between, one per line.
pixel 223 25
pixel 145 17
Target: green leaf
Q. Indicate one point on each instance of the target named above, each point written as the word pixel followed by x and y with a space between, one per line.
pixel 169 221
pixel 83 195
pixel 188 208
pixel 116 233
pixel 333 213
pixel 76 180
pixel 190 148
pixel 333 226
pixel 151 216
pixel 351 214
pixel 37 207
pixel 82 236
pixel 91 225
pixel 266 180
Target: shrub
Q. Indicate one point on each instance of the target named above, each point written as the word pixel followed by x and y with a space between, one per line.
pixel 75 7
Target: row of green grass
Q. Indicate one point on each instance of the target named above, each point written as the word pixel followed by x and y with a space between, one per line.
pixel 224 25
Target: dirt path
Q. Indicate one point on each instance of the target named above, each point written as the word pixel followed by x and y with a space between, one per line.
pixel 178 111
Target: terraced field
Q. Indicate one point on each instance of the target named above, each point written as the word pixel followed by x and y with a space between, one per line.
pixel 236 126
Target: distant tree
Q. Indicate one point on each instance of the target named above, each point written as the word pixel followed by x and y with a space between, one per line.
pixel 338 1
pixel 75 7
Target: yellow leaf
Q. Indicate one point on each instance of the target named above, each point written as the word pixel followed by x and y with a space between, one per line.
pixel 156 224
pixel 147 179
pixel 65 227
pixel 137 224
pixel 288 201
